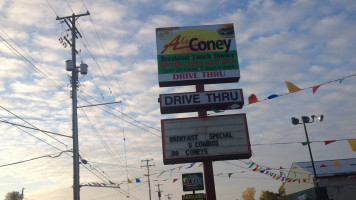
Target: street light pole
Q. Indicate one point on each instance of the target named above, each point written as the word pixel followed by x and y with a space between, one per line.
pixel 306 120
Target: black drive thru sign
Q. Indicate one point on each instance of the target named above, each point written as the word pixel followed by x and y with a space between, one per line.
pixel 193 101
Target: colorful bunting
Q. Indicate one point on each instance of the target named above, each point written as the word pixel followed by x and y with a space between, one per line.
pixel 305 143
pixel 179 168
pixel 352 144
pixel 291 87
pixel 315 88
pixel 272 96
pixel 329 141
pixel 336 163
pixel 229 174
pixel 252 99
pixel 251 165
pixel 191 165
pixel 217 111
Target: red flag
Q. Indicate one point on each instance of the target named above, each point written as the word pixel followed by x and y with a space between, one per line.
pixel 174 180
pixel 252 99
pixel 315 88
pixel 323 165
pixel 329 141
pixel 280 167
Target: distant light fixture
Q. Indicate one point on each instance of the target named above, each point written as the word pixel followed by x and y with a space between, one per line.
pixel 305 119
pixel 320 117
pixel 295 121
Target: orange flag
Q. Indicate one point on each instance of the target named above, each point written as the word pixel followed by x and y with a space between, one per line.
pixel 291 87
pixel 352 144
pixel 252 99
pixel 336 163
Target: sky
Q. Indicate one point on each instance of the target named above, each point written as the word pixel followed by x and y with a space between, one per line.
pixel 307 43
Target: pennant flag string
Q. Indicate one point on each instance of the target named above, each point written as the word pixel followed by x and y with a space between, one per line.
pixel 292 89
pixel 326 142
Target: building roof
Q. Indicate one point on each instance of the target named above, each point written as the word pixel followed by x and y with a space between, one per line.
pixel 346 167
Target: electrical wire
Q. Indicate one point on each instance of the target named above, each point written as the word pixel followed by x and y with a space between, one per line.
pixel 45 156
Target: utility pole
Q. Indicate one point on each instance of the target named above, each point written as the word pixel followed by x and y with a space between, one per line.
pixel 148 174
pixel 21 197
pixel 72 19
pixel 169 196
pixel 159 191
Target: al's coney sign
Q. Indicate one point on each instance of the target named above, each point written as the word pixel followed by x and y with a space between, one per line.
pixel 197 54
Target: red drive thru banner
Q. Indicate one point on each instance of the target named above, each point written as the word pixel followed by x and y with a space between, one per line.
pixel 195 139
pixel 197 54
pixel 194 101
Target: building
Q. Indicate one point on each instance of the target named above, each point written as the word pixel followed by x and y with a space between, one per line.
pixel 336 180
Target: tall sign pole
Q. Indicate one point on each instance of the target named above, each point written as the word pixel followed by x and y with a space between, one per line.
pixel 74 81
pixel 208 165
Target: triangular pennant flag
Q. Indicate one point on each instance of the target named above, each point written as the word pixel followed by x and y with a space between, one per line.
pixel 280 167
pixel 282 179
pixel 262 171
pixel 305 143
pixel 252 99
pixel 352 144
pixel 323 165
pixel 111 183
pixel 179 168
pixel 201 164
pixel 129 181
pixel 251 165
pixel 229 174
pixel 329 141
pixel 191 165
pixel 217 111
pixel 298 180
pixel 255 168
pixel 174 180
pixel 272 96
pixel 291 87
pixel 294 180
pixel 315 88
pixel 138 180
pixel 341 80
pixel 336 163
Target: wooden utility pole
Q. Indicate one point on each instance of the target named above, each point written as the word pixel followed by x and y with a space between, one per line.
pixel 72 19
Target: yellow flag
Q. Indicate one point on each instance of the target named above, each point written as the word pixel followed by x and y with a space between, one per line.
pixel 352 144
pixel 291 87
pixel 201 164
pixel 336 163
pixel 129 181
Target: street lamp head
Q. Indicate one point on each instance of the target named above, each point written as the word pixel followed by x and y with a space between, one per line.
pixel 320 117
pixel 305 119
pixel 295 121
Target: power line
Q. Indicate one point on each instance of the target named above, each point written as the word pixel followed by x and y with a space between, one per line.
pixel 3 121
pixel 45 156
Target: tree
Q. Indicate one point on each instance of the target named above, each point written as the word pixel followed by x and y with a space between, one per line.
pixel 249 194
pixel 282 193
pixel 12 195
pixel 268 195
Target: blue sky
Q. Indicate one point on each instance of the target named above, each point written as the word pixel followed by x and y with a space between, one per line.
pixel 304 42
